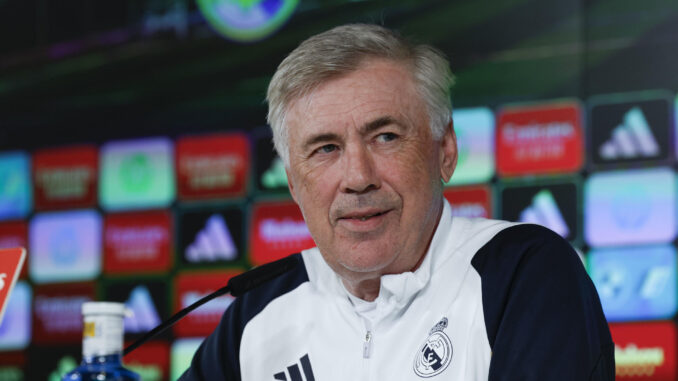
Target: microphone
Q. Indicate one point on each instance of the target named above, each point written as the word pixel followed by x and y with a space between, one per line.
pixel 237 286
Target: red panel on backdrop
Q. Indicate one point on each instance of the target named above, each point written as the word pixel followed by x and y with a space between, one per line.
pixel 137 242
pixel 212 166
pixel 539 139
pixel 645 351
pixel 473 201
pixel 15 234
pixel 150 361
pixel 278 230
pixel 190 287
pixel 65 177
pixel 57 316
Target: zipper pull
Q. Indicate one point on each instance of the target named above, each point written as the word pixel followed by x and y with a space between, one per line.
pixel 366 345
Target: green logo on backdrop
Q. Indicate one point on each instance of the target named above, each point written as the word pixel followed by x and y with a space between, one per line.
pixel 275 176
pixel 136 173
pixel 66 364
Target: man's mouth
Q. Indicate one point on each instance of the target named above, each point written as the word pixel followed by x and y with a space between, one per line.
pixel 364 218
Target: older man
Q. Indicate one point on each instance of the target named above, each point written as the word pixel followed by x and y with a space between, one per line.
pixel 398 289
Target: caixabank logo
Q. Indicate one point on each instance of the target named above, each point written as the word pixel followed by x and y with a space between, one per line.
pixel 550 204
pixel 57 316
pixel 212 166
pixel 150 361
pixel 193 286
pixel 539 139
pixel 137 242
pixel 210 235
pixel 65 177
pixel 630 128
pixel 645 351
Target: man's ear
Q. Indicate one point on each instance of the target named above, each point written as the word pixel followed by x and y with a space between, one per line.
pixel 448 152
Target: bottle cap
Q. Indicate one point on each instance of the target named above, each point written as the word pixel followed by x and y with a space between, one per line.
pixel 104 308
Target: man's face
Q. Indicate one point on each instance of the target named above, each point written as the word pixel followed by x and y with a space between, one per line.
pixel 366 171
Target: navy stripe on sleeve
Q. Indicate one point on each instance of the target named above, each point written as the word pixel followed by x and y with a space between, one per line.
pixel 542 313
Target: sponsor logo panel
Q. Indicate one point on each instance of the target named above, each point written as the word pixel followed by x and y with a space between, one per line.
pixel 65 177
pixel 150 361
pixel 539 139
pixel 278 230
pixel 182 355
pixel 212 166
pixel 65 246
pixel 191 287
pixel 645 351
pixel 269 167
pixel 137 174
pixel 630 207
pixel 475 138
pixel 57 317
pixel 624 129
pixel 212 235
pixel 16 193
pixel 553 205
pixel 146 298
pixel 137 242
pixel 15 234
pixel 635 283
pixel 470 202
pixel 15 327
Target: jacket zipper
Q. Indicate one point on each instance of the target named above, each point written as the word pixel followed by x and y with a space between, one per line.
pixel 367 347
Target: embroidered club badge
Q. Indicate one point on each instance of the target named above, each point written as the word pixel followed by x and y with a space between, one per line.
pixel 435 354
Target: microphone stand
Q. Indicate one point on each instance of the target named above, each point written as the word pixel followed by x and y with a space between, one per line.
pixel 237 286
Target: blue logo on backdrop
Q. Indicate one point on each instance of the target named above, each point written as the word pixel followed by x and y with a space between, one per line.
pixel 635 283
pixel 64 247
pixel 631 207
pixel 15 187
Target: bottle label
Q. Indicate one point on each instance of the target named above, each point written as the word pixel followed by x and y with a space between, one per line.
pixel 102 335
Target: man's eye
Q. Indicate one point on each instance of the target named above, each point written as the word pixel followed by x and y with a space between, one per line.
pixel 327 148
pixel 386 137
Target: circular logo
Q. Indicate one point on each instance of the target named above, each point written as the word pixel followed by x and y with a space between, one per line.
pixel 246 20
pixel 434 356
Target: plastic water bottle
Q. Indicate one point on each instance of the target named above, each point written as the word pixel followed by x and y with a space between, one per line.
pixel 102 340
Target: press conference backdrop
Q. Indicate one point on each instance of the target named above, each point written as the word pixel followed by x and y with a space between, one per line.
pixel 135 164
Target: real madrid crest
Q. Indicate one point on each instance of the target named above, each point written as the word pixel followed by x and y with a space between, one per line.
pixel 436 354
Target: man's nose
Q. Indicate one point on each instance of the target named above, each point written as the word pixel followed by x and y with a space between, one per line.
pixel 359 170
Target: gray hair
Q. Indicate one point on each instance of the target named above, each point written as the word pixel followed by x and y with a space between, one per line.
pixel 342 50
